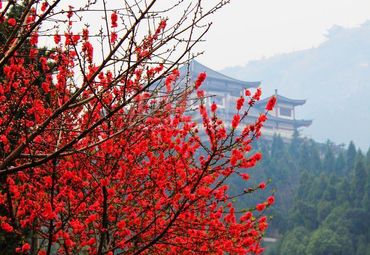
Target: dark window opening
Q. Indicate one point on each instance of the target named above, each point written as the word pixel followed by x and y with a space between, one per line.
pixel 285 112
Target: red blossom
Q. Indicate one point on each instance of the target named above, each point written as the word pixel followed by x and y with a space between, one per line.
pixel 7 227
pixel 257 94
pixel 113 37
pixel 260 207
pixel 57 38
pixel 44 6
pixel 257 156
pixel 262 185
pixel 162 25
pixel 34 39
pixel 245 176
pixel 235 121
pixel 75 38
pixel 262 118
pixel 246 216
pixel 239 103
pixel 70 12
pixel 12 22
pixel 270 200
pixel 200 79
pixel 85 34
pixel 114 19
pixel 271 103
pixel 171 79
pixel 26 247
pixel 213 107
pixel 101 156
pixel 200 93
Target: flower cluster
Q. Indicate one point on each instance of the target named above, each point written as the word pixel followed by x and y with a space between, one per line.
pixel 104 157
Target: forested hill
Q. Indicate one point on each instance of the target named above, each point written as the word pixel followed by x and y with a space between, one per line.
pixel 322 197
pixel 334 78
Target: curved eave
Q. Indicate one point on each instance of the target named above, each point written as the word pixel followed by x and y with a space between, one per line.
pixel 237 83
pixel 282 99
pixel 303 123
pixel 296 123
pixel 195 68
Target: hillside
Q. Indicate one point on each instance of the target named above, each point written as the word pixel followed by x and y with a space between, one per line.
pixel 322 196
pixel 334 78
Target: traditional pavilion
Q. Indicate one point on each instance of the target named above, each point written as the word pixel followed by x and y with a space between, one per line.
pixel 282 120
pixel 224 91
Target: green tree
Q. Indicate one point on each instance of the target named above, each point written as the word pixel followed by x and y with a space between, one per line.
pixel 324 241
pixel 362 246
pixel 359 180
pixel 338 220
pixel 278 148
pixel 323 210
pixel 295 144
pixel 340 163
pixel 350 156
pixel 305 214
pixel 359 221
pixel 295 242
pixel 309 158
pixel 368 158
pixel 329 158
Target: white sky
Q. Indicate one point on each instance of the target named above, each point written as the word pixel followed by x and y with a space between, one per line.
pixel 247 30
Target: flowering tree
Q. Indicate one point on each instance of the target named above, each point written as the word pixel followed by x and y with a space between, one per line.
pixel 97 152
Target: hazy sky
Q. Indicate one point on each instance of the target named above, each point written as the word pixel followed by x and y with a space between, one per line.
pixel 247 30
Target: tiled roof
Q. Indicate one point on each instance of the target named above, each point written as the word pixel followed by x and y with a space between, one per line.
pixel 195 68
pixel 282 99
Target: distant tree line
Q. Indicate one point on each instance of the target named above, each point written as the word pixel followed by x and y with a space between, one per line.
pixel 322 197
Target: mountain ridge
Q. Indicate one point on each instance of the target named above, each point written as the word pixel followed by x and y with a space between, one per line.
pixel 334 78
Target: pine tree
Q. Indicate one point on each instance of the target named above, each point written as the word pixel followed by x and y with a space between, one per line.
pixel 350 156
pixel 359 180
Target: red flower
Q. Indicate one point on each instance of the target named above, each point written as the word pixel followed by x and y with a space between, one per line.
pixel 12 22
pixel 262 185
pixel 262 118
pixel 235 121
pixel 257 156
pixel 213 107
pixel 70 12
pixel 239 103
pixel 262 219
pixel 44 6
pixel 34 39
pixel 85 34
pixel 171 79
pixel 245 176
pixel 57 39
pixel 246 216
pixel 75 38
pixel 7 227
pixel 270 200
pixel 200 80
pixel 114 18
pixel 257 94
pixel 271 103
pixel 26 247
pixel 200 93
pixel 113 37
pixel 260 207
pixel 247 92
pixel 162 24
